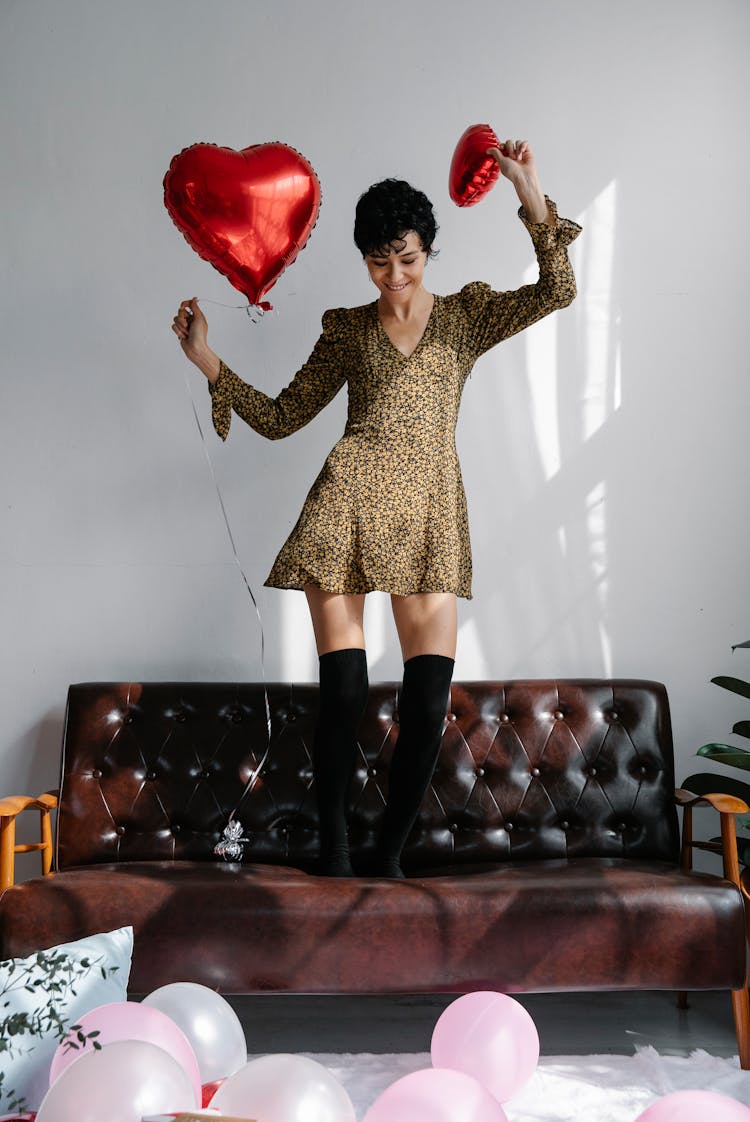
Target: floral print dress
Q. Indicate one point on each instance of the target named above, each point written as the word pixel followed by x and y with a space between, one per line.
pixel 388 509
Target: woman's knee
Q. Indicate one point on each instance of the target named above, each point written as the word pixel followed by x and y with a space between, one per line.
pixel 336 619
pixel 427 623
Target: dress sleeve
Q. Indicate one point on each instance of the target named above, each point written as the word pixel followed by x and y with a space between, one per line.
pixel 311 389
pixel 493 316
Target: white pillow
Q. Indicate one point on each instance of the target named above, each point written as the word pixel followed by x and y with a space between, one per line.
pixel 87 973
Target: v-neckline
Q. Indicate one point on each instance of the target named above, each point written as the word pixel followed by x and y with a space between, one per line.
pixel 422 337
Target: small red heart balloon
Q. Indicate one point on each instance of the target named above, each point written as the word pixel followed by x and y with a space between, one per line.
pixel 249 212
pixel 473 173
pixel 208 1090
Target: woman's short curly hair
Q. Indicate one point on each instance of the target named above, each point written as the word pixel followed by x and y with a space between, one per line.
pixel 387 212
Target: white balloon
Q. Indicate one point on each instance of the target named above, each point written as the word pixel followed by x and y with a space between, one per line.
pixel 210 1024
pixel 120 1083
pixel 285 1088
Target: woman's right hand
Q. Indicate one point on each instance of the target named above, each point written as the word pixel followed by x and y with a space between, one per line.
pixel 191 328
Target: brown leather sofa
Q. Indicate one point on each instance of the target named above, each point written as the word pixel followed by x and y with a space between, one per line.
pixel 546 855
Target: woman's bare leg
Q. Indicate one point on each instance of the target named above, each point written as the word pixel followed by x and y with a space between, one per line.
pixel 336 619
pixel 427 623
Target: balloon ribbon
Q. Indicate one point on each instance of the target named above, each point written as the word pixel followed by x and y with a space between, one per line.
pixel 231 845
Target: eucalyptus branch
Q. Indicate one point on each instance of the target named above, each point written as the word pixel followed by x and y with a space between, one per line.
pixel 52 975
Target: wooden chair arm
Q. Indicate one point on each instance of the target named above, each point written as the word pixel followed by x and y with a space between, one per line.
pixel 10 808
pixel 14 804
pixel 727 806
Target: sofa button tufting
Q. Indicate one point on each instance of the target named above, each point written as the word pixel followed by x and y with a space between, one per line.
pixel 565 825
pixel 205 774
pixel 128 719
pixel 120 830
pixel 643 769
pixel 592 771
pixel 150 775
pixel 181 718
pixel 621 827
pixel 96 773
pixel 291 717
pixel 451 716
pixel 504 719
pixel 453 827
pixel 558 714
pixel 372 772
pixel 535 772
pixel 479 772
pixel 176 828
pixel 614 716
pixel 509 826
pixel 236 718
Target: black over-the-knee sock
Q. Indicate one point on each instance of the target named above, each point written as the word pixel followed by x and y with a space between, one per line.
pixel 421 708
pixel 342 700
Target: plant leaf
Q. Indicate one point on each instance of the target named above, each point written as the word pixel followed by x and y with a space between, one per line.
pixel 726 754
pixel 743 849
pixel 735 685
pixel 707 783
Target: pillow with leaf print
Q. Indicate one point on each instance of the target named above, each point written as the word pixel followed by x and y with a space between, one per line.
pixel 42 996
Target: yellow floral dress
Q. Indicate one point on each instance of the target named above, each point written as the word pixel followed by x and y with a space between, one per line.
pixel 388 509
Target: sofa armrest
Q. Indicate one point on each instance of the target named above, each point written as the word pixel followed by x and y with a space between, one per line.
pixel 10 808
pixel 728 806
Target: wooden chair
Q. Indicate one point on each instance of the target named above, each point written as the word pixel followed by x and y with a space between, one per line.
pixel 728 806
pixel 10 808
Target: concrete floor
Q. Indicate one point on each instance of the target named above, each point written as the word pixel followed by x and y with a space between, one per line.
pixel 568 1024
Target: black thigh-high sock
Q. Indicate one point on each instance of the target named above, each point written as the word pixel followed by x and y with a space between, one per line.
pixel 422 707
pixel 342 700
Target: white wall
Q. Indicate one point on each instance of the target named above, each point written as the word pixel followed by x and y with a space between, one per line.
pixel 604 451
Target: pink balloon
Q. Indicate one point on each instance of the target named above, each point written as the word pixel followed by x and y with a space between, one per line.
pixel 436 1095
pixel 491 1037
pixel 121 1083
pixel 129 1020
pixel 696 1106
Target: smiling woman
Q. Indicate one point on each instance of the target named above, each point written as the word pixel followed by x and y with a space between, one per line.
pixel 388 510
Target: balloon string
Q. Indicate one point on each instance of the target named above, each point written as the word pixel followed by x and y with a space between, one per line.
pixel 254 311
pixel 219 304
pixel 251 781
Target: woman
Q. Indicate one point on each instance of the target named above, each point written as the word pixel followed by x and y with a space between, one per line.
pixel 388 510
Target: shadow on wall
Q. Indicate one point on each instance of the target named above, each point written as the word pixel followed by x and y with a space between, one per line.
pixel 548 442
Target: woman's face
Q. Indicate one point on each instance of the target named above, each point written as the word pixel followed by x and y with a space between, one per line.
pixel 398 273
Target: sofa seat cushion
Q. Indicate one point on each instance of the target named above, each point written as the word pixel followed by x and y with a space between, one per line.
pixel 516 927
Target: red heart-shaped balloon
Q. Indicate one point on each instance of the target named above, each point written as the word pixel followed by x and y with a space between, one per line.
pixel 473 173
pixel 249 212
pixel 208 1090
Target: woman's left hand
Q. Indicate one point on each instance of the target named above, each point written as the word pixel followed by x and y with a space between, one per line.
pixel 516 161
pixel 517 164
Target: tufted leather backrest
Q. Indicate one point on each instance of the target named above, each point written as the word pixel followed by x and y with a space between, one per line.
pixel 527 770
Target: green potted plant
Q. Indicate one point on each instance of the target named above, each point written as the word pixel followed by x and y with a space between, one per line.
pixel 732 756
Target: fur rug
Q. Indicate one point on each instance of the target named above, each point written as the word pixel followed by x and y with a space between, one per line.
pixel 564 1088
